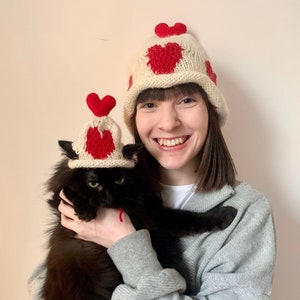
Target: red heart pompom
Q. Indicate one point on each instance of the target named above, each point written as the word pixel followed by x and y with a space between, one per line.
pixel 163 30
pixel 100 107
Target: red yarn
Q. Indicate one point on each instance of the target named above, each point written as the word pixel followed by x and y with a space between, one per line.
pixel 120 215
pixel 163 30
pixel 163 59
pixel 130 82
pixel 99 146
pixel 209 70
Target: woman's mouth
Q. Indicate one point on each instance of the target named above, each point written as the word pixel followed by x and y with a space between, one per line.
pixel 171 142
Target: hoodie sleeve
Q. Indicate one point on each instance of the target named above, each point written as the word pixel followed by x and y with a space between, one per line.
pixel 243 266
pixel 36 282
pixel 143 275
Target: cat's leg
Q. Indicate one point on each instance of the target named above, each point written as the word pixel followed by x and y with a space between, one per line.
pixel 184 222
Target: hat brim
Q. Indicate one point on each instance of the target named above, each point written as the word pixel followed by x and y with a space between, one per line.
pixel 99 163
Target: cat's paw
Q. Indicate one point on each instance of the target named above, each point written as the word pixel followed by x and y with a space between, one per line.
pixel 226 215
pixel 87 214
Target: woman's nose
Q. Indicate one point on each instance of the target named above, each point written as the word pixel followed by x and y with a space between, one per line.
pixel 168 118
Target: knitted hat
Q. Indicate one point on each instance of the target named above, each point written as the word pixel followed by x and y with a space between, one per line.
pixel 99 142
pixel 170 58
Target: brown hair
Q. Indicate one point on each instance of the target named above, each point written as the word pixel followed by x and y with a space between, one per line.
pixel 216 167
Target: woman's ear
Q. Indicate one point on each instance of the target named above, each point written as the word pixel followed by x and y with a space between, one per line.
pixel 67 149
pixel 130 150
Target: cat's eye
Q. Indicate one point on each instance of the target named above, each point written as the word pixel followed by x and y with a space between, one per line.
pixel 120 180
pixel 93 184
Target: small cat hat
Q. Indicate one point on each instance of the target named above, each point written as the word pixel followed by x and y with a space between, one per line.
pixel 99 142
pixel 170 58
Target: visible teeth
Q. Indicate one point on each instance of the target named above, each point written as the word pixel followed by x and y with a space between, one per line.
pixel 170 143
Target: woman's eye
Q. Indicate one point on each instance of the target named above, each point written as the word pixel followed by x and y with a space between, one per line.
pixel 120 181
pixel 187 100
pixel 149 105
pixel 93 184
pixel 146 105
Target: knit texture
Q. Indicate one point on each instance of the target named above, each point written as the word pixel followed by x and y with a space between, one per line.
pixel 99 143
pixel 170 58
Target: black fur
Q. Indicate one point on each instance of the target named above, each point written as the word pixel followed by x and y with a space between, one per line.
pixel 81 270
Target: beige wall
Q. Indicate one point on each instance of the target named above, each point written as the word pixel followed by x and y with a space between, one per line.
pixel 53 53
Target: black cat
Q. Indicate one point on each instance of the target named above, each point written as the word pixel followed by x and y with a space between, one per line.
pixel 82 270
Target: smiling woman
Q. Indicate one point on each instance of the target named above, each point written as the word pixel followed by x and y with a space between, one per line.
pixel 175 108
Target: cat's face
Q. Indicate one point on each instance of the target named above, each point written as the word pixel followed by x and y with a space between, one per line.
pixel 93 188
pixel 90 189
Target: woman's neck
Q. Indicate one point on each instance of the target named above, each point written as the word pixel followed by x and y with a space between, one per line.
pixel 178 176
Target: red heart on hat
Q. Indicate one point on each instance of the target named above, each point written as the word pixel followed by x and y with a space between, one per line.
pixel 100 146
pixel 100 107
pixel 163 59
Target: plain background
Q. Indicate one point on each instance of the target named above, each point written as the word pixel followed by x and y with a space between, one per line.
pixel 53 53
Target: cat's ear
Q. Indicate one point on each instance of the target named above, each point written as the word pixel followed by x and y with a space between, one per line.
pixel 67 149
pixel 130 150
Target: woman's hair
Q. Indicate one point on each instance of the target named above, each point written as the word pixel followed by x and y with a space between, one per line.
pixel 216 167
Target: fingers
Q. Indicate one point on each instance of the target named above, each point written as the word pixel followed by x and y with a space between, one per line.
pixel 67 210
pixel 68 217
pixel 66 222
pixel 68 214
pixel 63 197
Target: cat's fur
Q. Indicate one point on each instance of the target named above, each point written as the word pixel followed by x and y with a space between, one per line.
pixel 82 270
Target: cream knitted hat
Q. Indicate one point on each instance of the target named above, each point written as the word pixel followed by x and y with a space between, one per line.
pixel 170 58
pixel 99 142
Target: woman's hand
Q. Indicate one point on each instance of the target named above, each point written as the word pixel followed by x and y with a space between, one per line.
pixel 106 229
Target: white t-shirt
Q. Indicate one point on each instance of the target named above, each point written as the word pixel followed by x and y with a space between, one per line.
pixel 175 196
